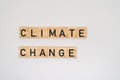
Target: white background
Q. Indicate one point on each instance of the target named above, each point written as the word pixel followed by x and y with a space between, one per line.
pixel 98 55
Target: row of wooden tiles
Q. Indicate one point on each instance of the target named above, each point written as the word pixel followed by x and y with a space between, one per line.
pixel 47 52
pixel 52 32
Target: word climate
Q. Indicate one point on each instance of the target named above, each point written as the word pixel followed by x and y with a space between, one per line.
pixel 52 32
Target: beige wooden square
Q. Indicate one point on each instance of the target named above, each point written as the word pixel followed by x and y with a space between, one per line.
pixel 71 52
pixel 62 30
pixel 24 32
pixel 50 31
pixel 72 32
pixel 84 32
pixel 42 51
